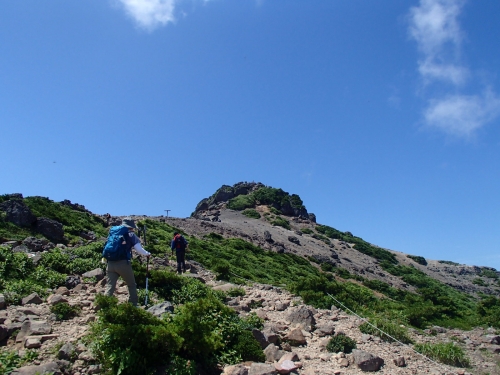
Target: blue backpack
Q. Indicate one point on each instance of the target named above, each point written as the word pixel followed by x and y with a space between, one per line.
pixel 118 245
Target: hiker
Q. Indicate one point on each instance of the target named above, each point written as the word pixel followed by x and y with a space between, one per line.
pixel 108 218
pixel 179 243
pixel 119 259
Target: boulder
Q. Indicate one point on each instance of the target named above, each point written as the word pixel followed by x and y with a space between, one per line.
pixel 366 361
pixel 312 217
pixel 2 302
pixel 285 367
pixel 303 316
pixel 37 244
pixel 261 369
pixel 325 329
pixel 66 351
pixel 161 308
pixel 32 343
pixel 20 249
pixel 98 273
pixel 400 361
pixel 45 369
pixel 273 353
pixel 32 298
pixel 54 299
pixel 18 213
pixel 294 240
pixel 268 237
pixel 235 370
pixel 223 194
pixel 51 229
pixel 260 337
pixel 4 332
pixel 72 281
pixel 295 337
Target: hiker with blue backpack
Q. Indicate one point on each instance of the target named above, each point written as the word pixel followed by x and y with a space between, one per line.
pixel 179 244
pixel 118 253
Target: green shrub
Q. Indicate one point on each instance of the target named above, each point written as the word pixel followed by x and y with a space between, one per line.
pixel 341 343
pixel 15 290
pixel 249 348
pixel 14 266
pixel 127 340
pixel 56 260
pixel 281 222
pixel 64 310
pixel 251 213
pixel 252 321
pixel 48 278
pixel 418 259
pixel 9 361
pixel 447 353
pixel 306 231
pixel 489 273
pixel 236 292
pixel 448 262
pixel 192 290
pixel 222 269
pixel 392 330
pixel 479 281
pixel 327 267
pixel 241 202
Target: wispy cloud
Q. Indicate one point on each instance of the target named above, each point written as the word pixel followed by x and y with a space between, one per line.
pixel 150 14
pixel 462 115
pixel 435 27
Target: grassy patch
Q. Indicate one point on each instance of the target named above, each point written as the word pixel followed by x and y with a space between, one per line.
pixel 281 222
pixel 341 343
pixel 418 259
pixel 392 329
pixel 251 213
pixel 447 353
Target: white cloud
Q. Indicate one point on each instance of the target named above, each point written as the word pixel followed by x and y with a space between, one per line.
pixel 462 115
pixel 434 26
pixel 150 14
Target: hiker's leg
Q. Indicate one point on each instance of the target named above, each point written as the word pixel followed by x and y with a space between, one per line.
pixel 183 261
pixel 112 278
pixel 127 273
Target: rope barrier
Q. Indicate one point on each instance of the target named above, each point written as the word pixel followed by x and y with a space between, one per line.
pixel 385 333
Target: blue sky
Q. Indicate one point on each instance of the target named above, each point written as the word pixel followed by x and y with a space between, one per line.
pixel 384 116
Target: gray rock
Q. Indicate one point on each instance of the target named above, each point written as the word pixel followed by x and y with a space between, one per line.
pixel 260 337
pixel 304 316
pixel 46 368
pixel 4 332
pixel 161 308
pixel 367 361
pixel 66 351
pixel 54 299
pixel 98 273
pixel 32 343
pixel 295 337
pixel 273 353
pixel 18 213
pixel 37 244
pixel 400 361
pixel 268 237
pixel 72 281
pixel 235 370
pixel 39 327
pixel 261 369
pixel 325 329
pixel 492 339
pixel 2 302
pixel 312 217
pixel 32 298
pixel 294 240
pixel 21 249
pixel 51 229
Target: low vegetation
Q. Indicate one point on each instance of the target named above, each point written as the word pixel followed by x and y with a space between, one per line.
pixel 341 343
pixel 447 353
pixel 392 330
pixel 251 213
pixel 418 259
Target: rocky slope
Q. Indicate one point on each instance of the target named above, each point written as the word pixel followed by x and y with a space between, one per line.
pixel 287 320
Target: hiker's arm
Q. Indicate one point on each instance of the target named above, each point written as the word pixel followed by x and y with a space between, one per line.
pixel 140 250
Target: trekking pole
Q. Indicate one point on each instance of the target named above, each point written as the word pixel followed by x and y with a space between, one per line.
pixel 147 279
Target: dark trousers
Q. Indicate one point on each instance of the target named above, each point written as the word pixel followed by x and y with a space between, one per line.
pixel 181 260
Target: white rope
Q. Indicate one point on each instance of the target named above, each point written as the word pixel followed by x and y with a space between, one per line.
pixel 385 333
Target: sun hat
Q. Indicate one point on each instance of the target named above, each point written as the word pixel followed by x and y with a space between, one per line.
pixel 128 222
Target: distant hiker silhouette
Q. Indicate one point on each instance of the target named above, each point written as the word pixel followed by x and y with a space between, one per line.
pixel 179 244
